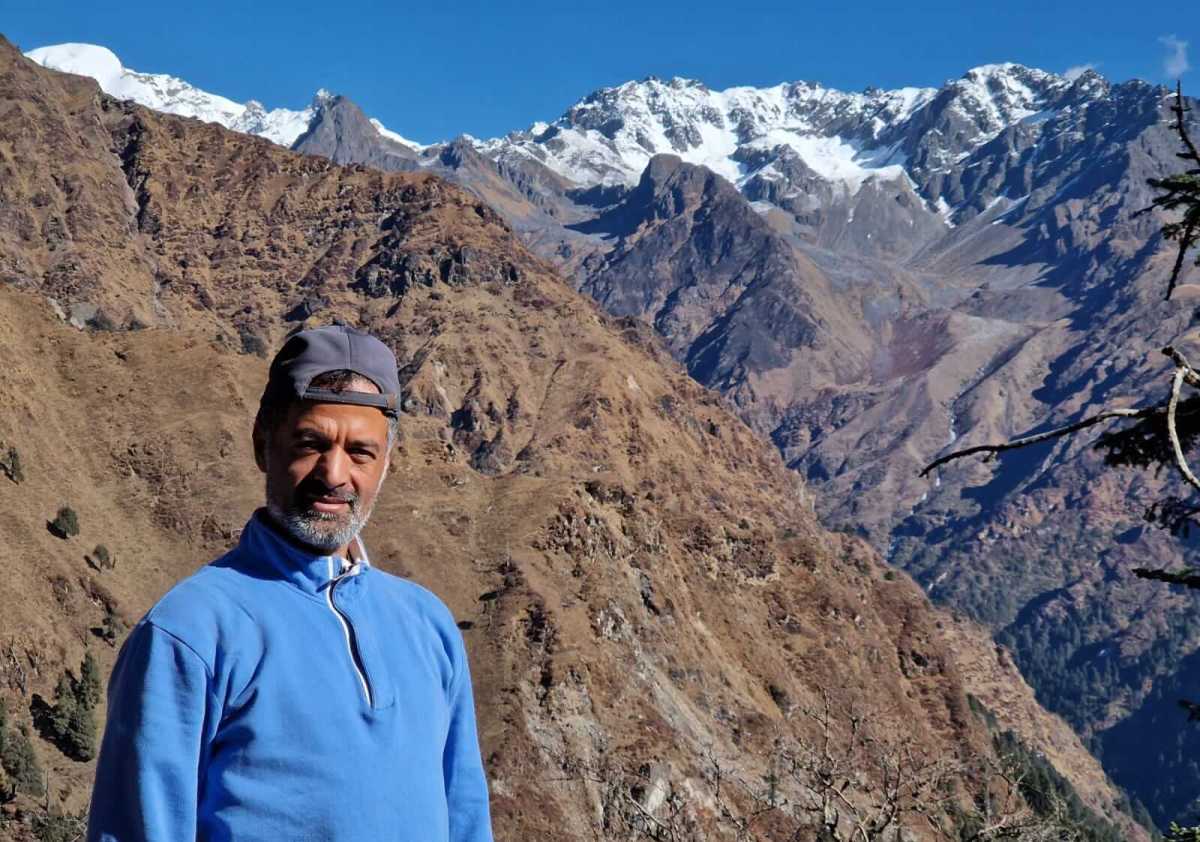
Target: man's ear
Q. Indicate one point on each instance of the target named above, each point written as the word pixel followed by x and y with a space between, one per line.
pixel 260 445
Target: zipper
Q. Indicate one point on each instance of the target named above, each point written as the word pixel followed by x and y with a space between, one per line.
pixel 351 645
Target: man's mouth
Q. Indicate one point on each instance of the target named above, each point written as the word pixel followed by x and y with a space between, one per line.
pixel 330 503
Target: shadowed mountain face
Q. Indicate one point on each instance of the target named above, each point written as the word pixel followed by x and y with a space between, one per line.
pixel 638 576
pixel 972 269
pixel 341 132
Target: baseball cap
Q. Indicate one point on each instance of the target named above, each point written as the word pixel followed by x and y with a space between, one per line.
pixel 316 351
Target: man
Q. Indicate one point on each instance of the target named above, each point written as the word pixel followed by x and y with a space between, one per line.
pixel 289 690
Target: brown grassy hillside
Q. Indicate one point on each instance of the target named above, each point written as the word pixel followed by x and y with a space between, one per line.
pixel 639 579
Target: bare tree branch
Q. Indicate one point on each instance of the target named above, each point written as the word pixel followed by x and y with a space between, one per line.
pixel 1191 377
pixel 1180 461
pixel 1090 421
pixel 1184 373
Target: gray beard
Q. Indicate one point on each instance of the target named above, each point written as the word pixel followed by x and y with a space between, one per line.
pixel 317 529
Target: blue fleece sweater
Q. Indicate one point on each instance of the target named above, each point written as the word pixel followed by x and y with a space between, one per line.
pixel 257 702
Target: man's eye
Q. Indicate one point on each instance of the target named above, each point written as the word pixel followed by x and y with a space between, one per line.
pixel 360 455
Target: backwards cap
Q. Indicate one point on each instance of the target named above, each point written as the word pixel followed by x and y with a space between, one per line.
pixel 310 353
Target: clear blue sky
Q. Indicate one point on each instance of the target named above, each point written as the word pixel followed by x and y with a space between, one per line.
pixel 431 69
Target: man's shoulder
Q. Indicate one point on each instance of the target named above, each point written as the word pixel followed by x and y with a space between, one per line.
pixel 202 607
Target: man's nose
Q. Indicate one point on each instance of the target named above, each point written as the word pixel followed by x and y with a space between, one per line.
pixel 333 468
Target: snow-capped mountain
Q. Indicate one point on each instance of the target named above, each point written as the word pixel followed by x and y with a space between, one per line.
pixel 610 136
pixel 740 133
pixel 163 92
pixel 750 136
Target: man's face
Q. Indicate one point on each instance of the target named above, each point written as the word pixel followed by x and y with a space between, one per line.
pixel 324 465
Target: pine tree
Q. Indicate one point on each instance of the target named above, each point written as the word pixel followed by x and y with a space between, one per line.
pixel 20 761
pixel 91 688
pixel 64 704
pixel 17 758
pixel 81 732
pixel 71 721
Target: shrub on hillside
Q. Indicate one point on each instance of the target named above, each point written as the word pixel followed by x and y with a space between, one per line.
pixel 70 723
pixel 102 559
pixel 91 688
pixel 10 465
pixel 65 523
pixel 58 827
pixel 18 760
pixel 111 628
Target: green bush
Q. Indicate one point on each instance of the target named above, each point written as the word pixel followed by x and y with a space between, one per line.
pixel 1183 834
pixel 65 523
pixel 70 723
pixel 18 759
pixel 91 688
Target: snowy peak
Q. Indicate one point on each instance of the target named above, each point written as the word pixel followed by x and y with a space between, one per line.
pixel 998 95
pixel 609 136
pixel 787 140
pixel 99 63
pixel 783 142
pixel 158 91
pixel 175 96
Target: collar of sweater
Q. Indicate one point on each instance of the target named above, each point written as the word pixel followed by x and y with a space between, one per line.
pixel 296 564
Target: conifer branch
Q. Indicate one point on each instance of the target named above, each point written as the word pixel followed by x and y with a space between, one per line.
pixel 1192 154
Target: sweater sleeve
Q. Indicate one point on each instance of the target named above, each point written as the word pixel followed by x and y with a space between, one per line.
pixel 160 706
pixel 462 767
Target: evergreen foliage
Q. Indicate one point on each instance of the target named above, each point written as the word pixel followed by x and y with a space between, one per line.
pixel 91 687
pixel 70 722
pixel 18 760
pixel 65 523
pixel 1183 834
pixel 1181 192
pixel 1043 788
pixel 57 827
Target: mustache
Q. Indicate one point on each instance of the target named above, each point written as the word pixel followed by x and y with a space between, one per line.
pixel 312 489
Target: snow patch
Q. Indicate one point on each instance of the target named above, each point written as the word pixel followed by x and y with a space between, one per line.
pixel 944 211
pixel 391 135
